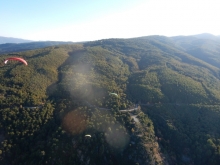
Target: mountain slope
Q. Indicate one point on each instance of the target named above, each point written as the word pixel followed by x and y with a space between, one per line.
pixel 204 47
pixel 65 93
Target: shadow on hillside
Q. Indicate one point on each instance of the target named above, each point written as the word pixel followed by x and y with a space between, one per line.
pixel 54 89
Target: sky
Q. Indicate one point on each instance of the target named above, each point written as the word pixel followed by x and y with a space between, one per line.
pixel 88 20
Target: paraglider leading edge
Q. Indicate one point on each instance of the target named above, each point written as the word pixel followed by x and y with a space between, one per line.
pixel 16 59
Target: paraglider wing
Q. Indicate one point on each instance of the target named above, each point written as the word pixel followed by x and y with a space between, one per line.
pixel 16 59
pixel 87 135
pixel 115 94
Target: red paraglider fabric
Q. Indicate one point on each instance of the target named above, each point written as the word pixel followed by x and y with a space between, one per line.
pixel 16 59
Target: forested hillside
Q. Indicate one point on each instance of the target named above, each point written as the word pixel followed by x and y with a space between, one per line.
pixel 146 100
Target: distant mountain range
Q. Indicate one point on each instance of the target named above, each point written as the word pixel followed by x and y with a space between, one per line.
pixel 4 40
pixel 207 36
pixel 12 45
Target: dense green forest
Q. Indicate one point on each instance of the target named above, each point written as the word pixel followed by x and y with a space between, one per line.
pixel 59 109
